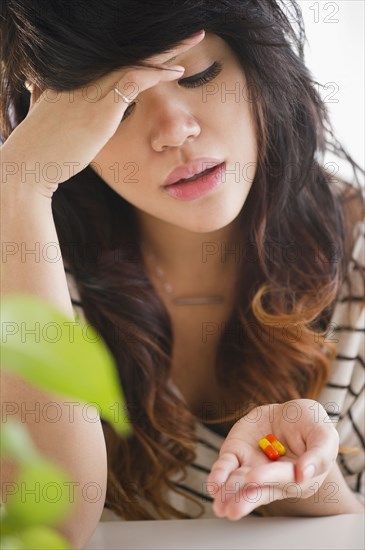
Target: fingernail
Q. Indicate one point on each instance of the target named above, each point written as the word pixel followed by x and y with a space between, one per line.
pixel 179 68
pixel 308 472
pixel 197 34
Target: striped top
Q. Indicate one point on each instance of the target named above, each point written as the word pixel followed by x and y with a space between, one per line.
pixel 342 396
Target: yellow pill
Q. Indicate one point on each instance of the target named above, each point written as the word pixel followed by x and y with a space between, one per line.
pixel 276 443
pixel 268 449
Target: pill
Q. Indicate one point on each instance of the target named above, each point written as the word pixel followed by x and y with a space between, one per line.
pixel 276 443
pixel 268 449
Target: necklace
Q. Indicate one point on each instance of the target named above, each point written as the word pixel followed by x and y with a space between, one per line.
pixel 185 300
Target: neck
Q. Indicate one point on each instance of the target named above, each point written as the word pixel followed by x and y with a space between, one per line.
pixel 191 261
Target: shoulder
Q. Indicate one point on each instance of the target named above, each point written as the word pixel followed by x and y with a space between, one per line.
pixel 352 202
pixel 352 207
pixel 343 394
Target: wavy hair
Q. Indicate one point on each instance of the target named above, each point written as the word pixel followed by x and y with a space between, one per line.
pixel 298 222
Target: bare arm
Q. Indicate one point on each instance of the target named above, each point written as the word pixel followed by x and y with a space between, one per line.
pixel 63 132
pixel 72 443
pixel 27 229
pixel 30 243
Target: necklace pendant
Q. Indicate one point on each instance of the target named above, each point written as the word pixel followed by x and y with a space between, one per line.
pixel 187 301
pixel 198 301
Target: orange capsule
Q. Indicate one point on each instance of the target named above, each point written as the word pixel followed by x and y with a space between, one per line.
pixel 268 449
pixel 276 444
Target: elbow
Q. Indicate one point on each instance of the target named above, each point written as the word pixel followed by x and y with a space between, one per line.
pixel 80 527
pixel 87 509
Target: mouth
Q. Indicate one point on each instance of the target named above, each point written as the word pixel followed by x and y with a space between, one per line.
pixel 195 177
pixel 198 185
pixel 191 170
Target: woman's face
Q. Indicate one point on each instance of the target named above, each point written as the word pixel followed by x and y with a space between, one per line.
pixel 177 123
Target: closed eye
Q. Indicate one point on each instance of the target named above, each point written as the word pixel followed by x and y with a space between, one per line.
pixel 202 78
pixel 190 82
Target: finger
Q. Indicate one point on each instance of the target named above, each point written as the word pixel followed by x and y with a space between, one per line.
pixel 312 464
pixel 246 477
pixel 169 72
pixel 181 48
pixel 322 452
pixel 230 490
pixel 106 83
pixel 109 81
pixel 250 498
pixel 222 468
pixel 132 86
pixel 235 483
pixel 131 81
pixel 277 472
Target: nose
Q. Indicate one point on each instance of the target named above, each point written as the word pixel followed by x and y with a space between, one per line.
pixel 173 126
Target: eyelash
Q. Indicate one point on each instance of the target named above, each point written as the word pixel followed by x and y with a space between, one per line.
pixel 190 82
pixel 202 78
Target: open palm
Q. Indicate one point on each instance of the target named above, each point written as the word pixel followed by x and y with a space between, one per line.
pixel 244 478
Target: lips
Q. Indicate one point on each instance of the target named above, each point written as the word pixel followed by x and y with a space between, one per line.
pixel 190 170
pixel 196 176
pixel 199 186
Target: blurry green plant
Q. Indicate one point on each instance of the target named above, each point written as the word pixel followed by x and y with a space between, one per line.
pixel 76 363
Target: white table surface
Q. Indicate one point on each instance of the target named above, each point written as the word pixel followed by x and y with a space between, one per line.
pixel 344 532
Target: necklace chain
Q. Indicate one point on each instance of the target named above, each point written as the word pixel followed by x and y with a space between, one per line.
pixel 185 300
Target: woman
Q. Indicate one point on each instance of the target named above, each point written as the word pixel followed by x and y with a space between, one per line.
pixel 218 296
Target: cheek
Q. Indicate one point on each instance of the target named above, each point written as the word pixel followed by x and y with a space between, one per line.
pixel 118 164
pixel 239 132
pixel 232 109
pixel 122 172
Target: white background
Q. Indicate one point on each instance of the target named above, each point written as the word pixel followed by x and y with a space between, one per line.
pixel 335 54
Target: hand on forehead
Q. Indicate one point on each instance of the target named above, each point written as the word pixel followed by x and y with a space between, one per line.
pixel 108 81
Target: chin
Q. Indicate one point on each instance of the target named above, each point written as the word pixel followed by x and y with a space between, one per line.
pixel 209 223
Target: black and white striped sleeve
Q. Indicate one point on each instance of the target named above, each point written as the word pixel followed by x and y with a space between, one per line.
pixel 344 395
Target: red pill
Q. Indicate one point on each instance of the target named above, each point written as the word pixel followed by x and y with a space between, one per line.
pixel 276 444
pixel 268 449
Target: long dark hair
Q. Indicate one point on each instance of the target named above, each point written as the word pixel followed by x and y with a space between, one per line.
pixel 295 204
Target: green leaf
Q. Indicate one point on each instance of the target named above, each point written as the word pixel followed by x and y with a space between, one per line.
pixel 41 495
pixel 12 542
pixel 45 347
pixel 40 538
pixel 16 443
pixel 43 538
